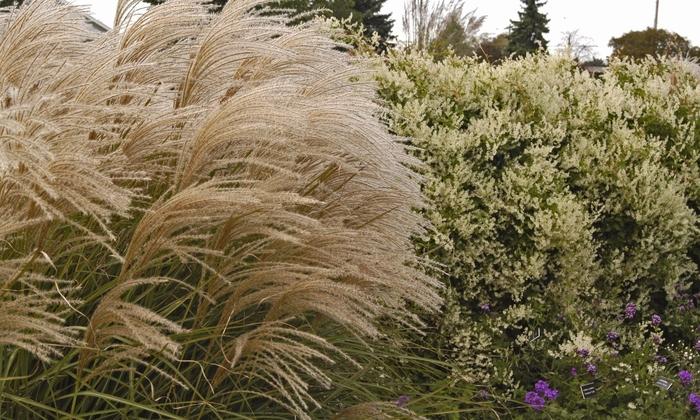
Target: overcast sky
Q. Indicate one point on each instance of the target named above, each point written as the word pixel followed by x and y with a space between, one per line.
pixel 599 20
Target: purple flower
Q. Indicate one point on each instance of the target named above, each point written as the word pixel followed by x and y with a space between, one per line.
pixel 591 368
pixel 583 352
pixel 534 400
pixel 685 377
pixel 551 394
pixel 541 386
pixel 484 394
pixel 573 371
pixel 630 310
pixel 613 336
pixel 694 399
pixel 656 338
pixel 655 320
pixel 402 401
pixel 697 345
pixel 485 307
pixel 661 359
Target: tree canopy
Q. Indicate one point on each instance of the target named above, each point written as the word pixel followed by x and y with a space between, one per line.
pixel 366 12
pixel 452 35
pixel 218 3
pixel 493 49
pixel 653 42
pixel 8 3
pixel 527 33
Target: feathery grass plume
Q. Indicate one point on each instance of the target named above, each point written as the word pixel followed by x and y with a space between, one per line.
pixel 376 410
pixel 211 191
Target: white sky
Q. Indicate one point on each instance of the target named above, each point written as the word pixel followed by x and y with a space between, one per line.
pixel 599 20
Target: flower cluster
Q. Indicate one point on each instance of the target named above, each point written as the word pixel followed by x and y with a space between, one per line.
pixel 685 377
pixel 694 400
pixel 402 401
pixel 591 368
pixel 538 398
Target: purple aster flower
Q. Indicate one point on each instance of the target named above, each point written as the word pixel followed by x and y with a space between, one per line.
pixel 655 320
pixel 694 398
pixel 534 400
pixel 685 377
pixel 583 352
pixel 573 371
pixel 613 336
pixel 661 359
pixel 485 307
pixel 630 310
pixel 591 368
pixel 402 401
pixel 656 338
pixel 541 386
pixel 697 345
pixel 551 394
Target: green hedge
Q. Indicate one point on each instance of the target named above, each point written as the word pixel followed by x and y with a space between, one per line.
pixel 556 199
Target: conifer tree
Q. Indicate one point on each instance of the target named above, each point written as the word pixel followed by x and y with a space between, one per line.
pixel 527 33
pixel 367 12
pixel 217 3
pixel 374 21
pixel 8 3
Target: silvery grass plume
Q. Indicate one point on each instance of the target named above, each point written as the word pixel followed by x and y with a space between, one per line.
pixel 195 192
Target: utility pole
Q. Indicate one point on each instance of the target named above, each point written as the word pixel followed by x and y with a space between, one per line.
pixel 656 16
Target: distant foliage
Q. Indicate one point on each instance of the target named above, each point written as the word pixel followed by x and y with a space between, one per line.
pixel 441 25
pixel 199 215
pixel 364 12
pixel 652 42
pixel 557 199
pixel 493 49
pixel 9 3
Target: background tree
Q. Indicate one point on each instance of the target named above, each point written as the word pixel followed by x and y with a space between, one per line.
pixel 579 47
pixel 434 26
pixel 367 12
pixel 654 42
pixel 458 33
pixel 527 33
pixel 493 49
pixel 8 3
pixel 217 3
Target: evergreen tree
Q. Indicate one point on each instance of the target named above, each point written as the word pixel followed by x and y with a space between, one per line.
pixel 8 3
pixel 218 3
pixel 527 33
pixel 373 20
pixel 366 12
